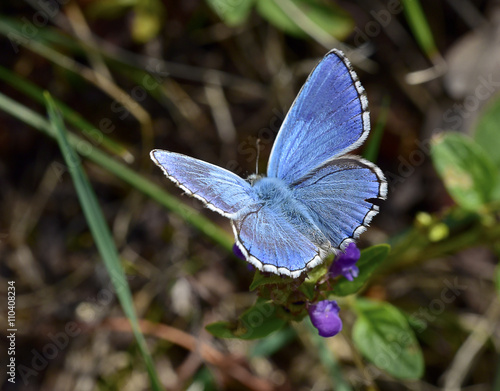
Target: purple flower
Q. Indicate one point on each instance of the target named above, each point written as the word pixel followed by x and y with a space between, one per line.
pixel 325 317
pixel 344 263
pixel 237 252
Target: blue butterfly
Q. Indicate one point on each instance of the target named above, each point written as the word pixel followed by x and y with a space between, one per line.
pixel 315 199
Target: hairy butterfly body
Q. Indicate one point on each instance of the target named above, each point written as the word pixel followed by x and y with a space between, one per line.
pixel 315 199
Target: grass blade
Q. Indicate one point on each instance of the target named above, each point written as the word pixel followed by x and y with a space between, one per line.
pixel 101 234
pixel 420 28
pixel 373 145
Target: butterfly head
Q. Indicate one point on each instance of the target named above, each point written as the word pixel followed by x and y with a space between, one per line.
pixel 254 178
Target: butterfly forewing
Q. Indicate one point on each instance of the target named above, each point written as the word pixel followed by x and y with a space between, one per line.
pixel 220 189
pixel 328 118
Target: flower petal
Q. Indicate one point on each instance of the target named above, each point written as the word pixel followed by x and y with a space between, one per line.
pixel 325 317
pixel 344 263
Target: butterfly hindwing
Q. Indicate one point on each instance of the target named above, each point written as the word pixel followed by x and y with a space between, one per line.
pixel 272 244
pixel 219 189
pixel 340 196
pixel 328 118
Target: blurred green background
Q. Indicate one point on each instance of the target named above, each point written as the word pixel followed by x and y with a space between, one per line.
pixel 102 248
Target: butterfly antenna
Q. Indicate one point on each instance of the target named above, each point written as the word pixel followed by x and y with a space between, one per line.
pixel 257 144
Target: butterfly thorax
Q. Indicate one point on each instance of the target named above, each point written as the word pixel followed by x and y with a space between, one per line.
pixel 272 190
pixel 278 196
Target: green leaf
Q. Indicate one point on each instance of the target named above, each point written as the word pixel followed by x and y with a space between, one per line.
pixel 466 170
pixel 486 136
pixel 382 334
pixel 260 279
pixel 258 321
pixel 101 234
pixel 233 13
pixel 273 343
pixel 370 259
pixel 325 16
pixel 308 288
